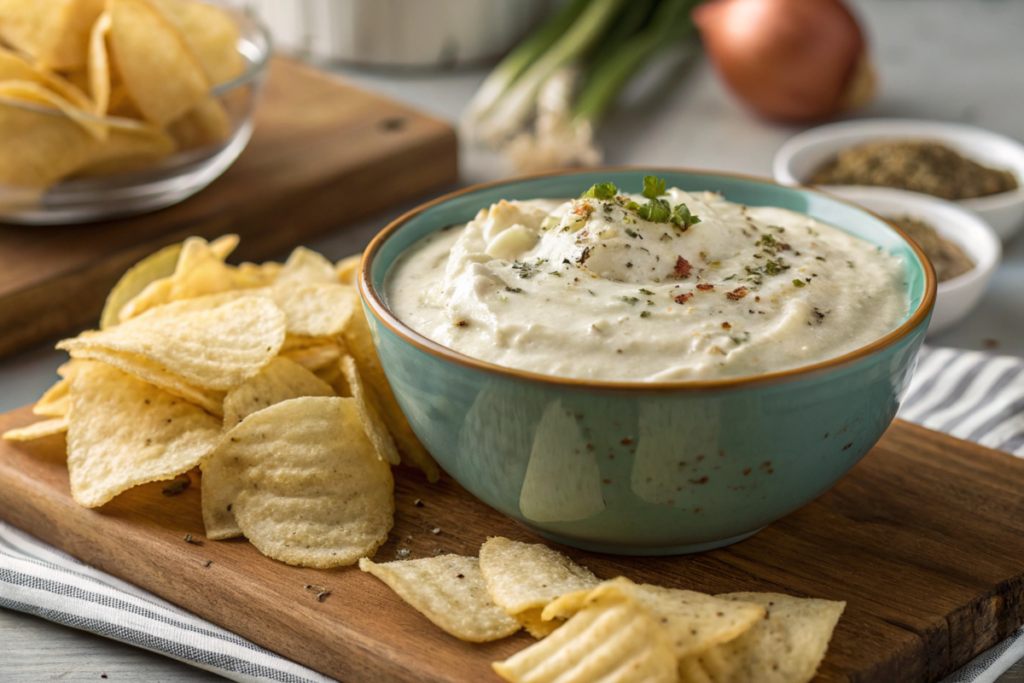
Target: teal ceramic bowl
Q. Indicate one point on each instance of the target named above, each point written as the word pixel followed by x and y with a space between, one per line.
pixel 642 468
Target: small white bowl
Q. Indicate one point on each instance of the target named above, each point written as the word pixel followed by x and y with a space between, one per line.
pixel 956 297
pixel 802 154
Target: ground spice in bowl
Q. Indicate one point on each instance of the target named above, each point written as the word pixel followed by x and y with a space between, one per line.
pixel 922 166
pixel 947 258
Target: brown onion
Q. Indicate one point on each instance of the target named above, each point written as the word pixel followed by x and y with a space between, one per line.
pixel 791 60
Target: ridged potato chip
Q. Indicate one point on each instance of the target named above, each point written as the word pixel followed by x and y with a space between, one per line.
pixel 56 402
pixel 210 33
pixel 303 483
pixel 315 310
pixel 56 32
pixel 372 423
pixel 208 345
pixel 695 622
pixel 450 591
pixel 306 267
pixel 162 75
pixel 611 640
pixel 347 268
pixel 280 380
pixel 38 430
pixel 157 265
pixel 359 341
pixel 527 576
pixel 210 400
pixel 123 432
pixel 534 624
pixel 786 646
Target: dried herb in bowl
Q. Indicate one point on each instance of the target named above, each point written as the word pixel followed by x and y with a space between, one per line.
pixel 948 259
pixel 922 166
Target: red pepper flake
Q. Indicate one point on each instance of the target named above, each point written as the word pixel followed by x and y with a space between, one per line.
pixel 702 480
pixel 746 472
pixel 607 481
pixel 461 323
pixel 766 463
pixel 726 326
pixel 682 268
pixel 737 293
pixel 683 298
pixel 705 287
pixel 583 210
pixel 627 441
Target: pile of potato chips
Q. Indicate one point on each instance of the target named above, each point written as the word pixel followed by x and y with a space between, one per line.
pixel 264 376
pixel 591 630
pixel 112 85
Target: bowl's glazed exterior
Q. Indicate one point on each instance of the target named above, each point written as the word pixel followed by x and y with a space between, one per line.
pixel 641 468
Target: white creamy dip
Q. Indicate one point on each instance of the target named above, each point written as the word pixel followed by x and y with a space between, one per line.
pixel 589 289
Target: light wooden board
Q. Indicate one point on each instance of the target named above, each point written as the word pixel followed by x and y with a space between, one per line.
pixel 924 539
pixel 323 154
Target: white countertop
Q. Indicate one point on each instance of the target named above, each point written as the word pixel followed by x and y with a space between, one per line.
pixel 954 60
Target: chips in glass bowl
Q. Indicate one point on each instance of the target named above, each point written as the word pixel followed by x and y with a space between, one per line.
pixel 110 108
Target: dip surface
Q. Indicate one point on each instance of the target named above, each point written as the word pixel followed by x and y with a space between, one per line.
pixel 589 289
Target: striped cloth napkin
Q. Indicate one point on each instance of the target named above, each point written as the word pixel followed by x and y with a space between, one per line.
pixel 970 395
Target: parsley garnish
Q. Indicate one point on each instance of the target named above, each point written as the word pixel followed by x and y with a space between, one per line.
pixel 525 269
pixel 631 300
pixel 601 191
pixel 514 290
pixel 647 292
pixel 633 234
pixel 682 217
pixel 656 211
pixel 645 314
pixel 653 187
pixel 799 283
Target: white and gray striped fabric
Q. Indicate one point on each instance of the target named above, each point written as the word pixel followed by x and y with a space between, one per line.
pixel 968 394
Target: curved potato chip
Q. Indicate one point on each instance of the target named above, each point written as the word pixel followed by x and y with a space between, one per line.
pixel 35 93
pixel 155 266
pixel 163 78
pixel 56 401
pixel 695 622
pixel 315 357
pixel 359 341
pixel 611 640
pixel 316 310
pixel 280 380
pixel 786 646
pixel 210 400
pixel 304 484
pixel 14 67
pixel 55 32
pixel 306 267
pixel 123 432
pixel 208 343
pixel 211 34
pixel 527 576
pixel 347 268
pixel 207 123
pixel 450 591
pixel 533 624
pixel 38 430
pixel 99 65
pixel 373 426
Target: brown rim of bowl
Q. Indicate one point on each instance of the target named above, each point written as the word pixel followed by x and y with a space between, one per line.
pixel 388 319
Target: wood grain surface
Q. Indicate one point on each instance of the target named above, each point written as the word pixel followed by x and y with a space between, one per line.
pixel 924 539
pixel 323 154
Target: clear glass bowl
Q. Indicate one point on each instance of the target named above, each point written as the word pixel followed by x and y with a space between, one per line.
pixel 172 180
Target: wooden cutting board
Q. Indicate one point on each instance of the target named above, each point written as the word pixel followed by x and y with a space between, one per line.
pixel 323 154
pixel 924 539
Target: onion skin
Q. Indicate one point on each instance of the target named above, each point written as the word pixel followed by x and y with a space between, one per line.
pixel 789 60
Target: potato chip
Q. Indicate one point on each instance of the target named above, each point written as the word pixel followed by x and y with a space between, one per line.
pixel 209 344
pixel 303 483
pixel 56 401
pixel 130 146
pixel 315 310
pixel 40 148
pixel 694 621
pixel 154 267
pixel 55 32
pixel 210 400
pixel 207 123
pixel 14 67
pixel 332 375
pixel 610 640
pixel 280 380
pixel 162 76
pixel 317 357
pixel 210 33
pixel 306 267
pixel 99 66
pixel 372 423
pixel 527 576
pixel 786 646
pixel 38 430
pixel 124 432
pixel 347 268
pixel 35 93
pixel 359 341
pixel 534 624
pixel 450 591
pixel 252 275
